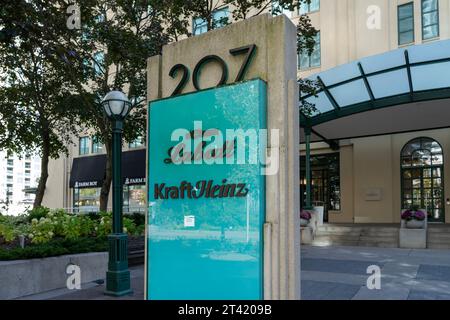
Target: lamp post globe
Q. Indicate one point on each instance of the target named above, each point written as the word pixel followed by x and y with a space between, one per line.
pixel 116 107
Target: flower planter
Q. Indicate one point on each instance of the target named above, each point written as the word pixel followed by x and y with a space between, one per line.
pixel 304 222
pixel 415 224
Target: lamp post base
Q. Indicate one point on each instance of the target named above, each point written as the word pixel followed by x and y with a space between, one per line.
pixel 118 276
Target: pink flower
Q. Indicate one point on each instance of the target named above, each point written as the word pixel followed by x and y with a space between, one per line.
pixel 305 215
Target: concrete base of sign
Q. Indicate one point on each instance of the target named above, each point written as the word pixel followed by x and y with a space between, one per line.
pixel 19 278
pixel 413 238
pixel 306 234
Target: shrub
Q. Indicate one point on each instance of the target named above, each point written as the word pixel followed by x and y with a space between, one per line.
pixel 56 247
pixel 38 213
pixel 129 226
pixel 42 230
pixel 138 218
pixel 104 227
pixel 13 226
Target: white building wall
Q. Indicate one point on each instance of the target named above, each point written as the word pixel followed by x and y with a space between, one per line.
pixel 17 173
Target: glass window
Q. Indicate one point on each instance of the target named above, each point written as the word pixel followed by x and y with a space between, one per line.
pixel 430 19
pixel 219 19
pixel 306 61
pixel 422 172
pixel 9 170
pixel 86 200
pixel 27 173
pixel 27 165
pixel 199 26
pixel 10 162
pixel 305 8
pixel 84 145
pixel 325 174
pixel 137 143
pixel 406 23
pixel 97 147
pixel 99 59
pixel 277 9
pixel 133 198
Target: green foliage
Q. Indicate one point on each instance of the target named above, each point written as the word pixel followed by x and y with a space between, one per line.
pixel 129 226
pixel 56 247
pixel 11 227
pixel 56 232
pixel 138 218
pixel 104 226
pixel 38 213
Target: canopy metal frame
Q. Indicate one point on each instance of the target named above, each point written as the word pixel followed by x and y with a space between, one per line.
pixel 338 111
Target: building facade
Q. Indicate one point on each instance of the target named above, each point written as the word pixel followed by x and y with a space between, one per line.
pixel 371 179
pixel 359 180
pixel 20 177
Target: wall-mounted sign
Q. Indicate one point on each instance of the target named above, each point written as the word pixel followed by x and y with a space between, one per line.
pixel 207 194
pixel 373 194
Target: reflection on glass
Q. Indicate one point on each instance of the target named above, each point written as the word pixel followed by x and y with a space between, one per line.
pixel 422 161
pixel 86 200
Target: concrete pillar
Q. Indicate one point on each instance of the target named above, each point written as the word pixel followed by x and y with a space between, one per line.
pixel 275 61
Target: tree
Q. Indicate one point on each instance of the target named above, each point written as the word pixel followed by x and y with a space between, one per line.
pixel 240 10
pixel 33 88
pixel 54 77
pixel 113 44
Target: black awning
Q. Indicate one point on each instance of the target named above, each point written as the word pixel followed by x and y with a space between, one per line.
pixel 88 172
pixel 133 167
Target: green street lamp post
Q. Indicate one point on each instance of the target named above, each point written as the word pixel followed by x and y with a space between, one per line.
pixel 117 106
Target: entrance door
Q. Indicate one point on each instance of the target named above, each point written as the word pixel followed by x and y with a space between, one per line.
pixel 423 177
pixel 325 182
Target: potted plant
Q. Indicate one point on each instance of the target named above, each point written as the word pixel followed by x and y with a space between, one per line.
pixel 414 218
pixel 305 217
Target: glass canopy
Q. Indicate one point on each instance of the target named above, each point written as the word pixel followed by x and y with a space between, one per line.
pixel 418 73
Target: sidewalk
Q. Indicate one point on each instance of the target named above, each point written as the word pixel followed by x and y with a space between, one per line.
pixel 337 273
pixel 340 273
pixel 94 291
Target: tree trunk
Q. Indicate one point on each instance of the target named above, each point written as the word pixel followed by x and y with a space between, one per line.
pixel 44 169
pixel 106 186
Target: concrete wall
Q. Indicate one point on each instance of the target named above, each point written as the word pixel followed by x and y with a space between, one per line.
pixel 21 278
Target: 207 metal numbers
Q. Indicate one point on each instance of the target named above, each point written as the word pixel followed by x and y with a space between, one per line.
pixel 249 52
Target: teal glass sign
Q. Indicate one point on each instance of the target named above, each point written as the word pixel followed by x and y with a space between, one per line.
pixel 206 194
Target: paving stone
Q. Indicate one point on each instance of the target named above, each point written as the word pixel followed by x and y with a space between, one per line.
pixel 427 295
pixel 432 272
pixel 318 290
pixel 337 266
pixel 387 292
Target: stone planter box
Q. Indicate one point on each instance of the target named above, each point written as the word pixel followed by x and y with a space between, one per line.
pixel 306 234
pixel 413 234
pixel 304 222
pixel 415 224
pixel 19 278
pixel 413 238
